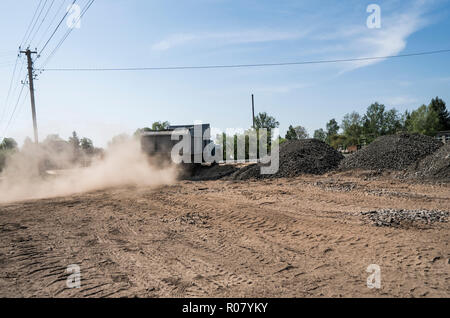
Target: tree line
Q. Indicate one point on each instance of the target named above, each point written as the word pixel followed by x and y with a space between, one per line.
pixel 76 150
pixel 356 129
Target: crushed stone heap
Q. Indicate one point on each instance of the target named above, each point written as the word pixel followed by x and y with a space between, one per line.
pixel 393 152
pixel 297 157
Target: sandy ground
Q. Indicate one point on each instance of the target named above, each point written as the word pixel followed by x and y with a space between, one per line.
pixel 278 238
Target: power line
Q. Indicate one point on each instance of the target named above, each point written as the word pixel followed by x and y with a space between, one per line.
pixel 6 65
pixel 88 5
pixel 31 22
pixel 30 62
pixel 14 110
pixel 51 23
pixel 34 25
pixel 7 53
pixel 20 107
pixel 9 89
pixel 9 62
pixel 56 29
pixel 15 89
pixel 42 21
pixel 247 65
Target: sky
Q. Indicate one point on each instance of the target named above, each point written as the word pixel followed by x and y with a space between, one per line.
pixel 146 33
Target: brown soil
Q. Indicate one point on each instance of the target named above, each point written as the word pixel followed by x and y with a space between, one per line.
pixel 301 237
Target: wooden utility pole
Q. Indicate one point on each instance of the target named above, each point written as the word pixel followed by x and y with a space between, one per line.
pixel 30 80
pixel 253 111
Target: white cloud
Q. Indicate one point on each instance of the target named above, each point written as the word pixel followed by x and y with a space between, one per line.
pixel 228 38
pixel 391 39
pixel 336 39
pixel 172 41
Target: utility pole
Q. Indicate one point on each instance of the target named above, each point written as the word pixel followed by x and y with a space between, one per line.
pixel 253 111
pixel 30 80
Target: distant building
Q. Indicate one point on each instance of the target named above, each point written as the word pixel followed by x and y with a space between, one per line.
pixel 350 149
pixel 443 136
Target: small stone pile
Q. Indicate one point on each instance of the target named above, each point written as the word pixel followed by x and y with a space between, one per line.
pixel 297 157
pixel 213 172
pixel 397 218
pixel 435 167
pixel 393 152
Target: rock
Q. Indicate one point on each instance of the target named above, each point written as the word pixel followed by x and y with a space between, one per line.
pixel 395 218
pixel 435 167
pixel 393 152
pixel 297 157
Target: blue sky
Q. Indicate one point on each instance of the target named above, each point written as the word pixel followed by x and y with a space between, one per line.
pixel 133 33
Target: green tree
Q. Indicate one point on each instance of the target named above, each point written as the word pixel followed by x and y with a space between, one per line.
pixel 337 141
pixel 139 131
pixel 158 125
pixel 438 105
pixel 378 122
pixel 392 122
pixel 295 133
pixel 263 120
pixel 332 130
pixel 424 120
pixel 87 145
pixel 8 144
pixel 332 127
pixel 352 129
pixel 75 141
pixel 320 134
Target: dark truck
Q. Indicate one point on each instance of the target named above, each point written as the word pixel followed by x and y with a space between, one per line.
pixel 159 143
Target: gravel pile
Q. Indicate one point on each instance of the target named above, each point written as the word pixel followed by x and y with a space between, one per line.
pixel 396 218
pixel 336 186
pixel 393 152
pixel 308 156
pixel 214 172
pixel 434 167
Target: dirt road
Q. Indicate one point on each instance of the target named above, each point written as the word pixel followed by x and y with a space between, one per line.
pixel 300 237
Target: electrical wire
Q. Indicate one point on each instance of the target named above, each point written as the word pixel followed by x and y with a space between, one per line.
pixel 31 22
pixel 14 91
pixel 67 33
pixel 42 21
pixel 247 65
pixel 34 25
pixel 51 23
pixel 56 29
pixel 14 110
pixel 9 89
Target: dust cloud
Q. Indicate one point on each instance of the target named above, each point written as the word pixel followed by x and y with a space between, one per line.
pixel 123 163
